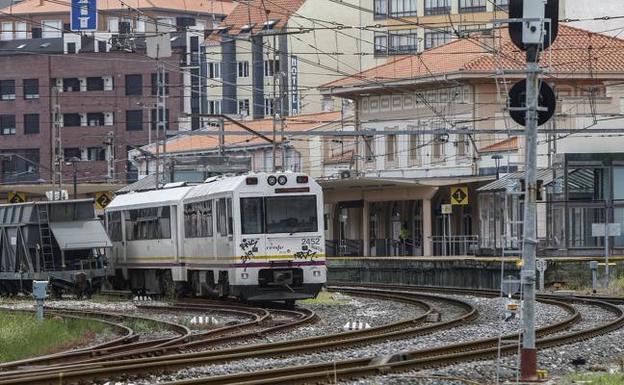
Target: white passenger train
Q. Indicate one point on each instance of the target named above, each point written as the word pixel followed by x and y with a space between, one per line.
pixel 256 237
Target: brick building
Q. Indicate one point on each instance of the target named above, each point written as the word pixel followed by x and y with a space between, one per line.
pixel 107 85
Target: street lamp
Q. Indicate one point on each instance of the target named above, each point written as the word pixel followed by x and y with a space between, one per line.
pixel 497 158
pixel 73 161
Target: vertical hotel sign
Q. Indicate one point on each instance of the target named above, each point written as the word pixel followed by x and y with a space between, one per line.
pixel 294 79
pixel 83 15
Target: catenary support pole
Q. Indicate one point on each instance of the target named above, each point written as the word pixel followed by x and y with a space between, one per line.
pixel 528 355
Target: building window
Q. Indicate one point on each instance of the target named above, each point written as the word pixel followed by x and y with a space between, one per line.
pixel 71 85
pixel 268 107
pixel 7 31
pixel 214 107
pixel 51 28
pixel 369 148
pixel 437 7
pixel 439 147
pixel 155 120
pixel 214 70
pixel 243 107
pixel 270 67
pixel 134 120
pixel 95 119
pixel 381 9
pixel 381 44
pixel 31 88
pixel 71 120
pixel 20 30
pixel 113 24
pixel 501 5
pixel 467 6
pixel 31 124
pixel 72 152
pixel 96 153
pixel 7 89
pixel 95 84
pixel 391 147
pixel 461 145
pixel 434 39
pixel 415 143
pixel 403 41
pixel 243 69
pixel 22 168
pixel 134 84
pixel 7 124
pixel 466 30
pixel 401 8
pixel 155 84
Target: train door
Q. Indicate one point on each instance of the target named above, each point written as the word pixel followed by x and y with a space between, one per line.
pixel 252 234
pixel 224 238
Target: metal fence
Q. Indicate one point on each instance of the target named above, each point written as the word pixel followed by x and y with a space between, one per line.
pixel 456 245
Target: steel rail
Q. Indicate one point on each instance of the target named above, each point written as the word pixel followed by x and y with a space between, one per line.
pixel 410 360
pixel 147 365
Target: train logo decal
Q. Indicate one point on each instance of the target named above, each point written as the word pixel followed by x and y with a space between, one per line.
pixel 249 247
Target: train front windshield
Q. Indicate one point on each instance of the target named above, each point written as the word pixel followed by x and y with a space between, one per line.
pixel 284 214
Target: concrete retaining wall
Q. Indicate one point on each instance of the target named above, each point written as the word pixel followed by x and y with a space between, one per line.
pixel 461 272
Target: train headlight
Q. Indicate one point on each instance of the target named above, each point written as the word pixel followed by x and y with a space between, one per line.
pixel 244 275
pixel 271 180
pixel 302 179
pixel 251 180
pixel 316 273
pixel 282 180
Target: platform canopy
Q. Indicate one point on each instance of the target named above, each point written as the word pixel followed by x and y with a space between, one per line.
pixel 79 235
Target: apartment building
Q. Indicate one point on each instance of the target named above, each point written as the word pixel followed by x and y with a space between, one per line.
pixel 269 56
pixel 107 85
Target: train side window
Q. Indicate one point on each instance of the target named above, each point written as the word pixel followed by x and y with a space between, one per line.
pixel 229 216
pixel 198 219
pixel 114 226
pixel 221 217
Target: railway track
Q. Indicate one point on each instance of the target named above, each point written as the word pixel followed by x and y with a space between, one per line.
pixel 418 359
pixel 410 327
pixel 185 340
pixel 481 349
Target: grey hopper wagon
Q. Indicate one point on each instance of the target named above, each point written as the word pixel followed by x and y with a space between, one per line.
pixel 60 241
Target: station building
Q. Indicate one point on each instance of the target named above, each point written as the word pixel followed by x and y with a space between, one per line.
pixel 393 201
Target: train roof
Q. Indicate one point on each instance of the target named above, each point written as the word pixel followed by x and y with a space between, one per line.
pixel 138 200
pixel 216 185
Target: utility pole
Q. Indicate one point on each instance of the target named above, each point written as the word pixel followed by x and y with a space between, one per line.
pixel 110 153
pixel 161 119
pixel 528 357
pixel 57 146
pixel 274 103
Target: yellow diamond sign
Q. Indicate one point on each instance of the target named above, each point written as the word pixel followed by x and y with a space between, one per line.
pixel 102 199
pixel 459 195
pixel 17 197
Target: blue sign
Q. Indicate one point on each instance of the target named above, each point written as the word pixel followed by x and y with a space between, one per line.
pixel 294 80
pixel 83 15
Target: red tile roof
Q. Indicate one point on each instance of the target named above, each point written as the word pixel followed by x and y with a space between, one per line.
pixel 575 51
pixel 305 122
pixel 510 144
pixel 257 12
pixel 221 7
